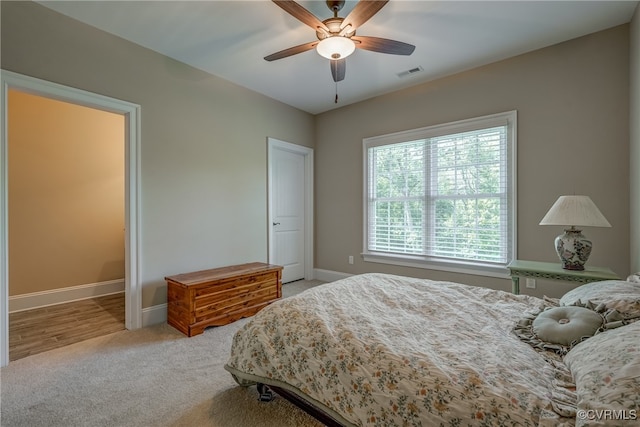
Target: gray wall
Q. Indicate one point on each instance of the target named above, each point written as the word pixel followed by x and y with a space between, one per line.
pixel 204 151
pixel 634 116
pixel 573 138
pixel 204 167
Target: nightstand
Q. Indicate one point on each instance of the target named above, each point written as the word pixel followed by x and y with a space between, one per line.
pixel 554 271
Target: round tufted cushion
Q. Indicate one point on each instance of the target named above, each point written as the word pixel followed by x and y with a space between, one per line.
pixel 564 325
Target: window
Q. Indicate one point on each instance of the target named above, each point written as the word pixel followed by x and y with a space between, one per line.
pixel 443 197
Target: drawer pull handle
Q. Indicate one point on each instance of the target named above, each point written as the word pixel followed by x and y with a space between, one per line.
pixel 276 223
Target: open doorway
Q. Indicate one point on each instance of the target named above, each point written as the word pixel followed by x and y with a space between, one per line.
pixel 131 115
pixel 66 223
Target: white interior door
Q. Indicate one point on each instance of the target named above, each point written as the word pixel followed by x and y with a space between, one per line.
pixel 289 222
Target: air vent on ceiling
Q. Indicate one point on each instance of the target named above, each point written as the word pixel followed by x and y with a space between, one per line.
pixel 411 71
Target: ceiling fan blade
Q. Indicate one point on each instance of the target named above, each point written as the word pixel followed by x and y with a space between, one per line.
pixel 377 44
pixel 291 51
pixel 363 11
pixel 338 69
pixel 301 14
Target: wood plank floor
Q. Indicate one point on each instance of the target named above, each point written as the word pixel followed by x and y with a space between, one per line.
pixel 42 329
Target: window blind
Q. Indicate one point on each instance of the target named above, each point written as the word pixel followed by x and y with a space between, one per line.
pixel 445 196
pixel 397 198
pixel 467 195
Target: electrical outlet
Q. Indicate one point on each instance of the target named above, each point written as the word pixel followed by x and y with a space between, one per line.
pixel 531 283
pixel 350 259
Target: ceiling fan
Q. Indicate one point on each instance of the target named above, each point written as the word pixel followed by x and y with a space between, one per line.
pixel 337 36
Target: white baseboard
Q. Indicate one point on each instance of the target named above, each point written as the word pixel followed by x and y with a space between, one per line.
pixel 58 296
pixel 329 275
pixel 154 315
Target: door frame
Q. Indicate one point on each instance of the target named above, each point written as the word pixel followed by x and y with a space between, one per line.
pixel 276 144
pixel 131 112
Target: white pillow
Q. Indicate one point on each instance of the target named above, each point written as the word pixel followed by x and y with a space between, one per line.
pixel 634 278
pixel 606 372
pixel 614 294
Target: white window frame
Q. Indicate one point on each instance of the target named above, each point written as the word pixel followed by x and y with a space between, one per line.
pixel 509 119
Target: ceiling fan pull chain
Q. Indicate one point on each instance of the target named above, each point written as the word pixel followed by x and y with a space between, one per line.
pixel 336 101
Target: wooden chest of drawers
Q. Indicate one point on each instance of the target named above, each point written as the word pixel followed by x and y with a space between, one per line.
pixel 220 296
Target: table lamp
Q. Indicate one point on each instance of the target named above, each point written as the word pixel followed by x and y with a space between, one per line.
pixel 570 211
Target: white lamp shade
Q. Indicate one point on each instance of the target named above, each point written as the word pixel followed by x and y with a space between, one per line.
pixel 575 211
pixel 336 47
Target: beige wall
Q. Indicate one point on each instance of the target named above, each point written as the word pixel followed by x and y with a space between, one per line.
pixel 66 194
pixel 634 118
pixel 203 150
pixel 573 137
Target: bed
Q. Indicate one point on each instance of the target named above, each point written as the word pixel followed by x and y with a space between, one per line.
pixel 385 350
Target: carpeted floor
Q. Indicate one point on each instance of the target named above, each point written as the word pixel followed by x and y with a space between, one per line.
pixel 153 376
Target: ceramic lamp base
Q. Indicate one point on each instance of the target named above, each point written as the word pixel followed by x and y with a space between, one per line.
pixel 573 249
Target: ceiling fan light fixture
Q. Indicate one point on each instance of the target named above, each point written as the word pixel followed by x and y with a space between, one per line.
pixel 336 47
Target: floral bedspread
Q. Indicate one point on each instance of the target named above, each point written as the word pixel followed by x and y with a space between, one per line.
pixel 383 350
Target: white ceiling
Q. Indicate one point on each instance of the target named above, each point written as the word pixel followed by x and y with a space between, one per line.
pixel 230 38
